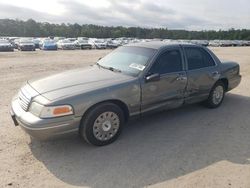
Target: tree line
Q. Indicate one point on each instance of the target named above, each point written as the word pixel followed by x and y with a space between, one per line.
pixel 31 28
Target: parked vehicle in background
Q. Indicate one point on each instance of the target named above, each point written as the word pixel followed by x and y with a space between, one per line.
pixel 100 44
pixel 26 44
pixel 72 39
pixel 83 43
pixel 247 43
pixel 37 42
pixel 239 43
pixel 112 44
pixel 200 42
pixel 66 44
pixel 48 44
pixel 56 39
pixel 5 46
pixel 12 41
pixel 214 43
pixel 226 43
pixel 16 42
pixel 131 81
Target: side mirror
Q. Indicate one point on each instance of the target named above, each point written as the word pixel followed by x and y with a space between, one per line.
pixel 153 77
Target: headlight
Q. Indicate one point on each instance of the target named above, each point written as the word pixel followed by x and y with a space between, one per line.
pixel 50 111
pixel 36 108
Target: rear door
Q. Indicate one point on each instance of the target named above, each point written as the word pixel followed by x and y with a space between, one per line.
pixel 202 73
pixel 168 91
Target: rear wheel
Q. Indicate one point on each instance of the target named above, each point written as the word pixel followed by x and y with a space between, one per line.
pixel 103 124
pixel 216 95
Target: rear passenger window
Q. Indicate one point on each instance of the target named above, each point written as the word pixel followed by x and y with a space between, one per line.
pixel 168 62
pixel 198 58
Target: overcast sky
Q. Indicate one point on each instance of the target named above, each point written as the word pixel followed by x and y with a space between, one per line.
pixel 173 14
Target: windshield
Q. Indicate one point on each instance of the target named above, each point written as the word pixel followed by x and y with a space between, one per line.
pixel 129 60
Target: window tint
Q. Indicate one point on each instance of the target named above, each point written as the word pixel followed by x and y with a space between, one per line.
pixel 198 58
pixel 168 62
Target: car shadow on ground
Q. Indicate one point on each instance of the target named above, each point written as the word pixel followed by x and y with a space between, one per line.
pixel 156 148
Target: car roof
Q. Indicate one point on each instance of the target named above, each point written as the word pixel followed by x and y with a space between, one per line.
pixel 159 44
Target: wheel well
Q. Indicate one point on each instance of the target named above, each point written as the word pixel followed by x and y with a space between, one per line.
pixel 119 103
pixel 225 82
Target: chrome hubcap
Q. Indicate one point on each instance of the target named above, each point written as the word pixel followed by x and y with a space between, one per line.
pixel 218 95
pixel 106 126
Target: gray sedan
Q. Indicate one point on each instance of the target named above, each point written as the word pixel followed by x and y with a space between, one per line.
pixel 133 80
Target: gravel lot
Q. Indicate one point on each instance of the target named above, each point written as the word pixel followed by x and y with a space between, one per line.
pixel 187 147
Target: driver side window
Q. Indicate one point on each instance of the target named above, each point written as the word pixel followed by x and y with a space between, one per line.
pixel 168 62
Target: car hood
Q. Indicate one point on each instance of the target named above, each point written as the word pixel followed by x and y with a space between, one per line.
pixel 77 81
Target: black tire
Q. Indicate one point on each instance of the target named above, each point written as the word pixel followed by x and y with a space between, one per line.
pixel 210 103
pixel 87 124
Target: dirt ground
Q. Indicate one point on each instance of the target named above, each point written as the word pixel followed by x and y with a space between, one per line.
pixel 187 147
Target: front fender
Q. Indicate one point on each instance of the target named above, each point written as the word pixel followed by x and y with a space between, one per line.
pixel 128 93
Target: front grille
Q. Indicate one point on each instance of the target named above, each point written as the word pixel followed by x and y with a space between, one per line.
pixel 24 100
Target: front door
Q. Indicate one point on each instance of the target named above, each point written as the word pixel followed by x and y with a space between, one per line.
pixel 167 91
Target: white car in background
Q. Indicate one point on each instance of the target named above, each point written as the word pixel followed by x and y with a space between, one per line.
pixel 83 43
pixel 66 44
pixel 113 44
pixel 100 44
pixel 58 38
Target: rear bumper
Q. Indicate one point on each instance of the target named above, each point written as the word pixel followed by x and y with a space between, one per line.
pixel 43 129
pixel 234 82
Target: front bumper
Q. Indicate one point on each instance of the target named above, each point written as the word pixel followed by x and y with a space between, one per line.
pixel 43 129
pixel 101 47
pixel 49 48
pixel 27 48
pixel 86 46
pixel 68 47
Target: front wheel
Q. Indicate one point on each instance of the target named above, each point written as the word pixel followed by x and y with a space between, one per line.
pixel 216 95
pixel 103 124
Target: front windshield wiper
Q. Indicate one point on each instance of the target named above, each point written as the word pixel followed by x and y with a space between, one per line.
pixel 109 68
